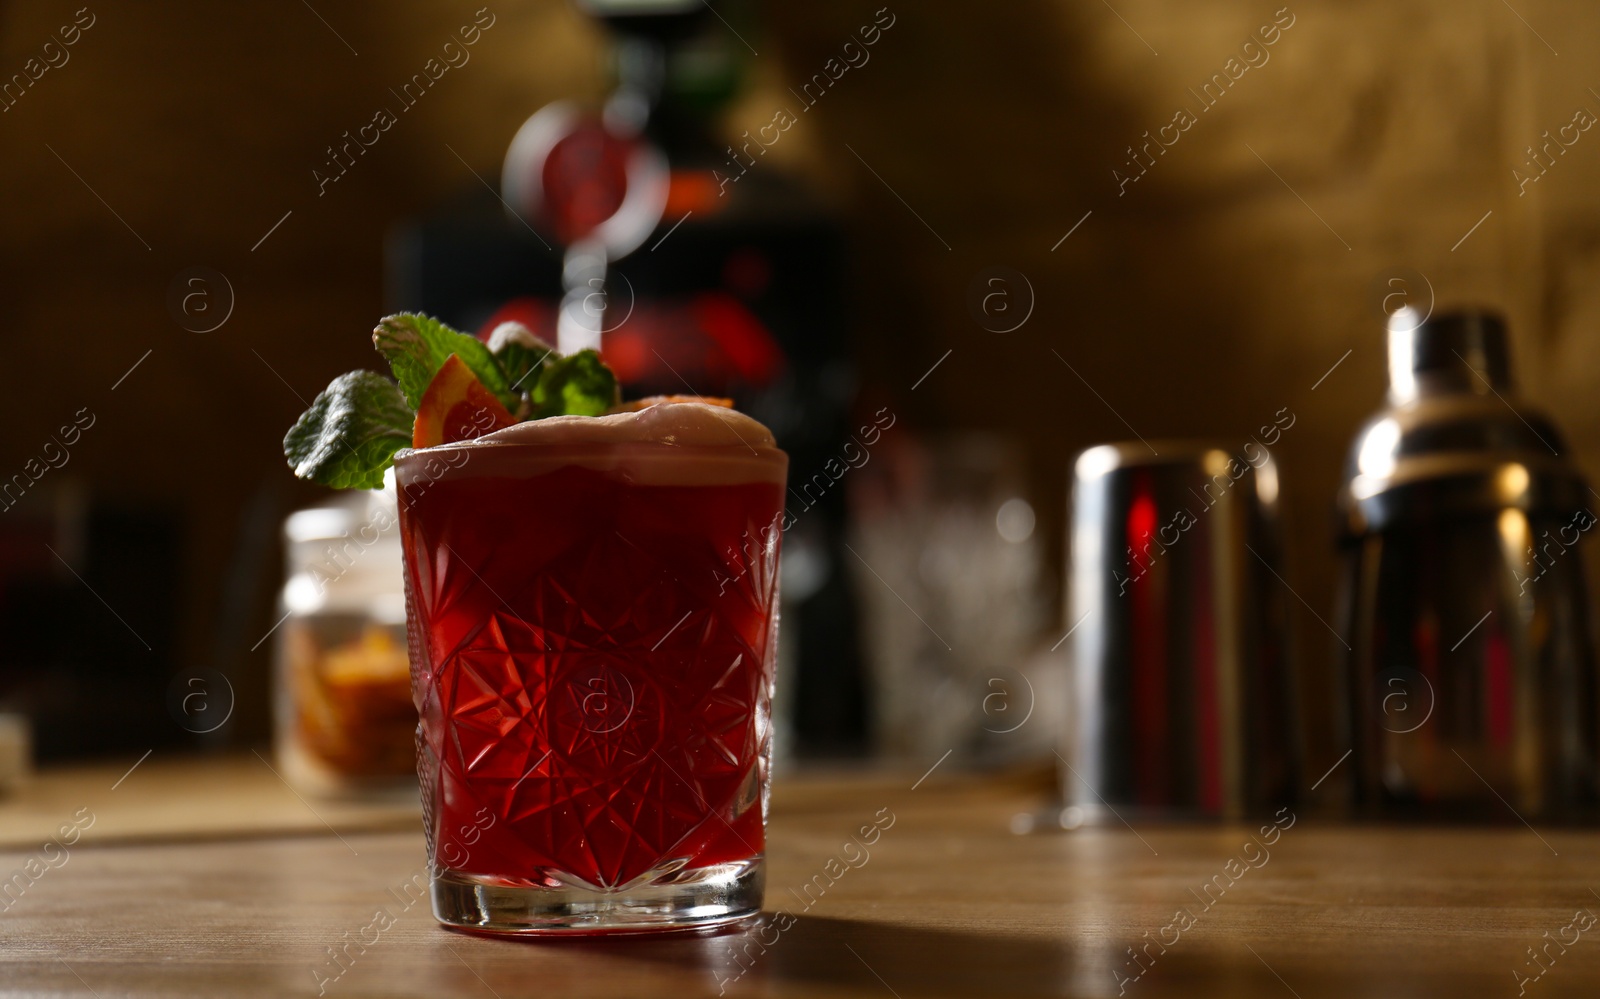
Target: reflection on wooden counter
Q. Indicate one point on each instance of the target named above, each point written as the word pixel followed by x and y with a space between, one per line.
pixel 948 903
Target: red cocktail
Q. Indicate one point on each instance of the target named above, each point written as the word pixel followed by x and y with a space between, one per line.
pixel 593 628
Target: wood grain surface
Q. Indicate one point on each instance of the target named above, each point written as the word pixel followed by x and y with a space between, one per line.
pixel 165 796
pixel 948 902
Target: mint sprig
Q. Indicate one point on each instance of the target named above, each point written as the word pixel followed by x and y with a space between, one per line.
pixel 520 354
pixel 417 346
pixel 350 434
pixel 577 385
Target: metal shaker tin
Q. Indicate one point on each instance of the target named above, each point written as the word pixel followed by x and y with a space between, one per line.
pixel 1182 695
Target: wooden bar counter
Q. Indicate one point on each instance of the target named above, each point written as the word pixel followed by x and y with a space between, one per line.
pixel 945 901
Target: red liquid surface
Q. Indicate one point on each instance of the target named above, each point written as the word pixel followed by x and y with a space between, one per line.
pixel 592 661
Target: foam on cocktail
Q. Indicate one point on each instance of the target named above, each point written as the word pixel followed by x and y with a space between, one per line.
pixel 669 443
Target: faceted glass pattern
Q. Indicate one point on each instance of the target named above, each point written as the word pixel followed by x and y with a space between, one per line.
pixel 592 660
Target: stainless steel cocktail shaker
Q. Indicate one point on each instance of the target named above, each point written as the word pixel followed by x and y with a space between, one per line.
pixel 1471 670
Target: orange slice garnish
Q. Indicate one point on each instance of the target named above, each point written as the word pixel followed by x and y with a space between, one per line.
pixel 456 407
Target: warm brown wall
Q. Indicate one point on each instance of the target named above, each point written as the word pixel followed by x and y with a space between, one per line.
pixel 200 124
pixel 1199 303
pixel 1209 296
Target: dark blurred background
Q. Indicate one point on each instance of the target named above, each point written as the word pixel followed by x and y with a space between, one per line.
pixel 1376 143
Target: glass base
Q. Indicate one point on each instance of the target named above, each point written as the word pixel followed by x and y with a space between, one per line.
pixel 704 897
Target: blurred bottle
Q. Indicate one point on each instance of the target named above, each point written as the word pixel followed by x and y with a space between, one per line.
pixel 16 751
pixel 698 266
pixel 1470 666
pixel 345 722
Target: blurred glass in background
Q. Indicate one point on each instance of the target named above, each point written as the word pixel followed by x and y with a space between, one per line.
pixel 955 595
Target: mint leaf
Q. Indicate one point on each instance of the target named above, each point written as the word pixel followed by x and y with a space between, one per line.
pixel 520 353
pixel 580 385
pixel 417 345
pixel 351 432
